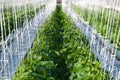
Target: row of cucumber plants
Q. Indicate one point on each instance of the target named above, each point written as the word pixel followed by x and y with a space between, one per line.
pixel 105 21
pixel 60 52
pixel 12 19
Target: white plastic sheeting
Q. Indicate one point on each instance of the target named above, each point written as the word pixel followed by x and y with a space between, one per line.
pixel 101 48
pixel 19 42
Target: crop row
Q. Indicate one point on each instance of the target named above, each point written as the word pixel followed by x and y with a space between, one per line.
pixel 13 18
pixel 60 52
pixel 106 22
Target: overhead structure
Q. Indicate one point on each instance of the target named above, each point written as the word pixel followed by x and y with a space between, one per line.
pixel 59 2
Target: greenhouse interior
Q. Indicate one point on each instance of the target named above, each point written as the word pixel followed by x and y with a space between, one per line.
pixel 59 39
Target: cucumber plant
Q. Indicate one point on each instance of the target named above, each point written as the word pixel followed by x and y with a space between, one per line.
pixel 102 21
pixel 9 21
